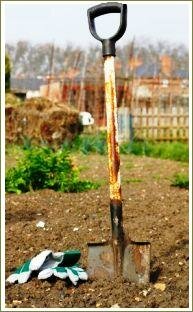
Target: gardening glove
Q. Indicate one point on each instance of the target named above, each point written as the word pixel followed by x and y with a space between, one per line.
pixel 74 273
pixel 42 261
pixel 21 274
pixel 48 259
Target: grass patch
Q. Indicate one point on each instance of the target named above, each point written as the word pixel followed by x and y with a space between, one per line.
pixel 157 177
pixel 129 165
pixel 88 143
pixel 41 168
pixel 83 168
pixel 177 151
pixel 181 180
pixel 133 180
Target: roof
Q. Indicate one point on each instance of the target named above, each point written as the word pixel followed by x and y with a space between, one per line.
pixel 153 70
pixel 26 84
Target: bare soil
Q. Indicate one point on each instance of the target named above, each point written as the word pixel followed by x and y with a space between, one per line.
pixel 154 211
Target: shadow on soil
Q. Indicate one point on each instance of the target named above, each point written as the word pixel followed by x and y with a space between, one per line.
pixel 154 274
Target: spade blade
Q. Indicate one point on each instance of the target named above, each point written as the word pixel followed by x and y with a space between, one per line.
pixel 100 261
pixel 136 262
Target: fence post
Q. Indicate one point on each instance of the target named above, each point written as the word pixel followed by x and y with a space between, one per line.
pixel 131 130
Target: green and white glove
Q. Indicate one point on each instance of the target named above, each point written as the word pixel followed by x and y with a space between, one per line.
pixel 21 274
pixel 75 273
pixel 45 259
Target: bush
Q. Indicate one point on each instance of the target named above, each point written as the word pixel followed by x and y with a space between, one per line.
pixel 12 100
pixel 181 180
pixel 42 168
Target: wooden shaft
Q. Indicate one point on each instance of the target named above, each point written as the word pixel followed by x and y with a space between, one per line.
pixel 114 164
pixel 112 129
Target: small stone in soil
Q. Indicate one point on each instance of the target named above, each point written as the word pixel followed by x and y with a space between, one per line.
pixel 160 286
pixel 115 305
pixel 137 299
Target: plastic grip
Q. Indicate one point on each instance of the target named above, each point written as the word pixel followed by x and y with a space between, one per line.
pixel 106 8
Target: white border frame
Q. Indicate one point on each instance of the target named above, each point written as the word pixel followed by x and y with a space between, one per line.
pixel 189 3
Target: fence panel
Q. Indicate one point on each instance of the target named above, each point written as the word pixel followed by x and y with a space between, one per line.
pixel 153 123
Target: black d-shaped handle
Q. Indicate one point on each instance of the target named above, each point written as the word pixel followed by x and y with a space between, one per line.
pixel 108 45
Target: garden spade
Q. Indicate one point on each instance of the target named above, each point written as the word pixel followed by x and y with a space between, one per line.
pixel 121 256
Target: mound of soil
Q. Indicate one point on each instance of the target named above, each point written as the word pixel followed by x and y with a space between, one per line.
pixel 41 120
pixel 154 211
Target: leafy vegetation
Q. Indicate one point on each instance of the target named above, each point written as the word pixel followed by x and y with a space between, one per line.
pixel 89 144
pixel 41 168
pixel 11 99
pixel 166 150
pixel 7 72
pixel 181 180
pixel 97 144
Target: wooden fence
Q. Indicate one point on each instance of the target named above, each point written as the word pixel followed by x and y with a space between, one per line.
pixel 154 123
pixel 148 109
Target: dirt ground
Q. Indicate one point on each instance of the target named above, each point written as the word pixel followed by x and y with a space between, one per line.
pixel 154 211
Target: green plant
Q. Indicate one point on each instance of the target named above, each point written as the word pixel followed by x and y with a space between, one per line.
pixel 26 142
pixel 134 180
pixel 89 144
pixel 166 150
pixel 41 168
pixel 12 100
pixel 181 180
pixel 157 177
pixel 7 72
pixel 133 147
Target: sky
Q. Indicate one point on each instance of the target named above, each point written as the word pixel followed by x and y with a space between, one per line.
pixel 66 22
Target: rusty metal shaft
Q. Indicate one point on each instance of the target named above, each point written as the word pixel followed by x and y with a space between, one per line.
pixel 114 163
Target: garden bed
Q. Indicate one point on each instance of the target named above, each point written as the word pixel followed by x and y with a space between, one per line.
pixel 154 211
